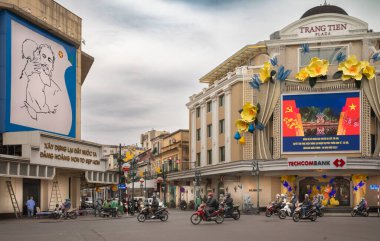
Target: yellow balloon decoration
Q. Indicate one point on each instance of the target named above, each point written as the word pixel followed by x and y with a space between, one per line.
pixel 114 188
pixel 129 155
pixel 242 140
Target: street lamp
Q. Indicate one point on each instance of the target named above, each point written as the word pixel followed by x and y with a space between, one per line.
pixel 141 184
pixel 145 194
pixel 197 176
pixel 256 172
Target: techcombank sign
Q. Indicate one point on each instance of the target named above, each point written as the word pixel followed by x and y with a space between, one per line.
pixel 316 163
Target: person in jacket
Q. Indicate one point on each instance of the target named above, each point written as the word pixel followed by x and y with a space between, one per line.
pixel 211 204
pixel 229 202
pixel 306 204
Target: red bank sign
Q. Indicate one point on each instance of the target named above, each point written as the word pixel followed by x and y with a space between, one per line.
pixel 316 163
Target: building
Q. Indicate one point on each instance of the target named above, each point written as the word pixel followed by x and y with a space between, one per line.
pixel 41 151
pixel 146 138
pixel 309 133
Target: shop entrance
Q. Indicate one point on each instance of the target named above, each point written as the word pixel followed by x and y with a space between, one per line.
pixel 31 187
pixel 335 190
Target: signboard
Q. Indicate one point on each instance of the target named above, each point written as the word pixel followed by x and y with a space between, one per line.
pixel 69 154
pixel 321 123
pixel 325 28
pixel 374 187
pixel 40 89
pixel 316 163
pixel 122 186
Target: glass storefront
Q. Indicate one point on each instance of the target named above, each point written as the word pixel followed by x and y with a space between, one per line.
pixel 335 190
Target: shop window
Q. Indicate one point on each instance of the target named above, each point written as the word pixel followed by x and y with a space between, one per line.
pixel 336 190
pixel 41 171
pixel 328 53
pixel 23 169
pixel 13 168
pixel 3 167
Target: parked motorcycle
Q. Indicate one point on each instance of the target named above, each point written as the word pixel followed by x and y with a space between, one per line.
pixel 200 215
pixel 183 205
pixel 145 214
pixel 273 209
pixel 72 214
pixel 362 212
pixel 311 214
pixel 111 212
pixel 285 211
pixel 232 213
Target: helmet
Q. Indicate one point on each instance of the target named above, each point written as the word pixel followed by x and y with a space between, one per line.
pixel 306 195
pixel 277 195
pixel 228 195
pixel 363 198
pixel 282 195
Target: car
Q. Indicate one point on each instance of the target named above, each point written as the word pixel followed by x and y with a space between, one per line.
pixel 150 200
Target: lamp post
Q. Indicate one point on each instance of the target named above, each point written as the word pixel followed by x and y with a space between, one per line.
pixel 141 184
pixel 164 182
pixel 197 177
pixel 133 182
pixel 256 172
pixel 145 194
pixel 119 161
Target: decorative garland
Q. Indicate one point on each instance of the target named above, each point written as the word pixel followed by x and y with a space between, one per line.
pixel 248 121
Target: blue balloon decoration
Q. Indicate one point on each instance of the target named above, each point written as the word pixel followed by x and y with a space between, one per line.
pixel 319 188
pixel 361 183
pixel 237 136
pixel 290 189
pixel 251 128
pixel 355 188
pixel 309 191
pixel 324 176
pixel 286 184
pixel 332 193
pixel 331 181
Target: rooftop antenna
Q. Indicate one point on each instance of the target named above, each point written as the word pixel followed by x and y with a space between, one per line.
pixel 325 3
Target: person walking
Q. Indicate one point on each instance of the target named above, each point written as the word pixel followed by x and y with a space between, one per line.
pixel 30 204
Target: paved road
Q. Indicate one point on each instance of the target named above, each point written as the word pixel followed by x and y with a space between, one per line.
pixel 179 228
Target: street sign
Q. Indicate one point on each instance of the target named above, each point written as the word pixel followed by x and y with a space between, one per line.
pixel 122 186
pixel 374 187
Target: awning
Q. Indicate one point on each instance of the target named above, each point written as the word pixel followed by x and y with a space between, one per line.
pixel 149 184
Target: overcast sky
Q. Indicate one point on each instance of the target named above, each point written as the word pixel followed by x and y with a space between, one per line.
pixel 150 54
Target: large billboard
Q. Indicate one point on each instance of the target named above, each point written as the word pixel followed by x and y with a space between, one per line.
pixel 40 80
pixel 321 122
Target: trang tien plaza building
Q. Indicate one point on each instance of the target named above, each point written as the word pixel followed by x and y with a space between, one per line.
pixel 304 105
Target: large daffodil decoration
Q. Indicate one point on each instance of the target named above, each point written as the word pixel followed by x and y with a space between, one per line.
pixel 317 68
pixel 353 69
pixel 248 121
pixel 265 72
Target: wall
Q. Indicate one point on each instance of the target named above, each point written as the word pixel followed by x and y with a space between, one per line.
pixel 5 200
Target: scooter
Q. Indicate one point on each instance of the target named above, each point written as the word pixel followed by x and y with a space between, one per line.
pixel 145 214
pixel 363 212
pixel 183 205
pixel 285 211
pixel 200 215
pixel 72 214
pixel 231 213
pixel 272 209
pixel 311 214
pixel 111 212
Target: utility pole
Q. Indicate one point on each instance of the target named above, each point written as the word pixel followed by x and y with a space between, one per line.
pixel 256 172
pixel 119 161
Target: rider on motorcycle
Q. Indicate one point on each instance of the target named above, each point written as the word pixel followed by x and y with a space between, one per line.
pixel 154 206
pixel 278 202
pixel 362 205
pixel 293 201
pixel 211 204
pixel 306 204
pixel 229 203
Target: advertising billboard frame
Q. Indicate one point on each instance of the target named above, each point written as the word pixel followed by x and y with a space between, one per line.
pixel 325 151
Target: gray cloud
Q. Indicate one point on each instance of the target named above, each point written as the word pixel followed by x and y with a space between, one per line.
pixel 149 54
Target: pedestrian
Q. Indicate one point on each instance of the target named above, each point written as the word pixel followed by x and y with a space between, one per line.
pixel 30 204
pixel 198 202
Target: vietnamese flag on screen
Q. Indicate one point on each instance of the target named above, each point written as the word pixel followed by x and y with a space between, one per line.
pixel 349 123
pixel 289 118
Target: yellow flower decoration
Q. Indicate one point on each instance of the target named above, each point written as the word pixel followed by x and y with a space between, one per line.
pixel 302 75
pixel 368 70
pixel 351 68
pixel 249 112
pixel 242 126
pixel 317 67
pixel 158 170
pixel 264 72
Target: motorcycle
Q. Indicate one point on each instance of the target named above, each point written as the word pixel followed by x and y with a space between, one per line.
pixel 232 213
pixel 320 212
pixel 72 214
pixel 285 211
pixel 363 212
pixel 145 214
pixel 110 212
pixel 183 205
pixel 200 215
pixel 273 209
pixel 311 214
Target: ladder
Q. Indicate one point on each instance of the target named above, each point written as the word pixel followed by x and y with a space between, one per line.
pixel 55 197
pixel 16 208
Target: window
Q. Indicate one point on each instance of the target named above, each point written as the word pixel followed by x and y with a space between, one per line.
pixel 209 130
pixel 328 53
pixel 209 106
pixel 198 111
pixel 198 160
pixel 209 157
pixel 221 126
pixel 198 134
pixel 222 152
pixel 221 100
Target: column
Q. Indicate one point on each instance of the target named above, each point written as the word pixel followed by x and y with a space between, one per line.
pixel 215 130
pixel 203 134
pixel 227 121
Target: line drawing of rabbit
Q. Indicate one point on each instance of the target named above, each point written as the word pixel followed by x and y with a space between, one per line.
pixel 38 71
